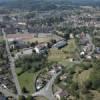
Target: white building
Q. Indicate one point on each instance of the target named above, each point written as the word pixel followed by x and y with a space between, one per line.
pixel 41 48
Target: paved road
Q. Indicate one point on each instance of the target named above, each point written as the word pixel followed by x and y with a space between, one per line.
pixel 8 93
pixel 91 43
pixel 47 90
pixel 12 64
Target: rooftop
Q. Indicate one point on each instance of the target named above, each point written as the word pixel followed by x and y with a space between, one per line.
pixel 20 36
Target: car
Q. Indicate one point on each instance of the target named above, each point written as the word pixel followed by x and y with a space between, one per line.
pixel 3 86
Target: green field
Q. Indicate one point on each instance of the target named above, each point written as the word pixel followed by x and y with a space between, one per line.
pixel 43 39
pixel 40 98
pixel 27 80
pixel 84 76
pixel 1 39
pixel 62 56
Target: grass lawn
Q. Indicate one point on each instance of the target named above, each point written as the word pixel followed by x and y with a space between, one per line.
pixel 27 80
pixel 62 55
pixel 84 76
pixel 44 39
pixel 71 47
pixel 1 39
pixel 38 39
pixel 40 98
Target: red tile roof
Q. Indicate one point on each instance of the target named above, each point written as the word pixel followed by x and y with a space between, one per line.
pixel 20 36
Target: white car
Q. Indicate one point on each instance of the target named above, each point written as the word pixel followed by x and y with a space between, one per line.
pixel 3 86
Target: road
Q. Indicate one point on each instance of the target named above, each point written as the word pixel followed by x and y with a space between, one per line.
pixel 91 43
pixel 47 90
pixel 8 93
pixel 12 64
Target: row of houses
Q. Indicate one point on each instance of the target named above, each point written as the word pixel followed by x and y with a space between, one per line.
pixel 86 46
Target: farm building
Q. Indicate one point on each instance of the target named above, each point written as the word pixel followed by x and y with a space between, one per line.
pixel 60 44
pixel 41 48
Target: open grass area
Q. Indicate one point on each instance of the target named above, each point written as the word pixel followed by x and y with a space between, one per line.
pixel 27 80
pixel 62 55
pixel 84 76
pixel 44 39
pixel 40 98
pixel 38 39
pixel 71 47
pixel 1 38
pixel 56 55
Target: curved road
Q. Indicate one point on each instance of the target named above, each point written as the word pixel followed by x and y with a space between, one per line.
pixel 47 90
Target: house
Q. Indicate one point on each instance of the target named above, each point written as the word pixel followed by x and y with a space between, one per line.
pixel 61 95
pixel 10 98
pixel 22 23
pixel 88 57
pixel 63 77
pixel 97 50
pixel 3 98
pixel 82 34
pixel 60 44
pixel 82 54
pixel 83 39
pixel 39 84
pixel 56 68
pixel 52 72
pixel 18 44
pixel 97 56
pixel 71 36
pixel 41 48
pixel 21 27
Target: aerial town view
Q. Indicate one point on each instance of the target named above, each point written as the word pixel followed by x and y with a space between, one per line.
pixel 49 49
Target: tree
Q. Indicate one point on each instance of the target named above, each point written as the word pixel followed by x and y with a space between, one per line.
pixel 24 90
pixel 29 98
pixel 49 45
pixel 88 84
pixel 33 51
pixel 36 42
pixel 21 98
pixel 95 75
pixel 75 86
pixel 32 44
pixel 53 41
pixel 32 62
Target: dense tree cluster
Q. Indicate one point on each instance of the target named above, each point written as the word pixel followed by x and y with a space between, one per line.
pixel 95 76
pixel 32 63
pixel 26 98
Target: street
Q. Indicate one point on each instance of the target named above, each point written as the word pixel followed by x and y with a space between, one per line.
pixel 12 64
pixel 90 41
pixel 7 93
pixel 47 90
